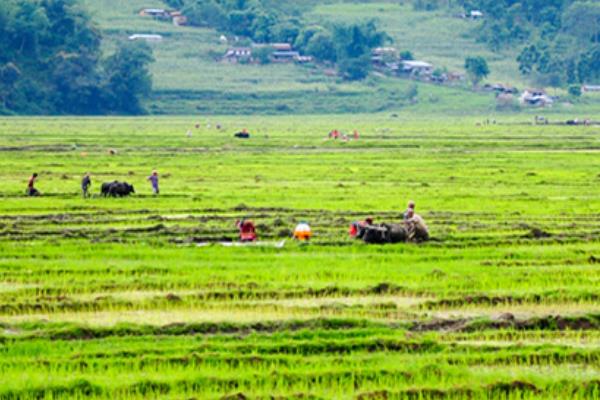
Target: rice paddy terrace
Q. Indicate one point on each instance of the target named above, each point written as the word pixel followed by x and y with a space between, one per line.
pixel 134 298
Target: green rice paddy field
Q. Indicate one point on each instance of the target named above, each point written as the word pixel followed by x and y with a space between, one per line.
pixel 131 298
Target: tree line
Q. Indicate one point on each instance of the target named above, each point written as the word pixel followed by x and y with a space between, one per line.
pixel 559 39
pixel 51 63
pixel 348 46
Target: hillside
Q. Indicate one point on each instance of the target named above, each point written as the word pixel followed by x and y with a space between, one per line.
pixel 187 79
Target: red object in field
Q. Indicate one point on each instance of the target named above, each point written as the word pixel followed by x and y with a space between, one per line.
pixel 247 231
pixel 354 227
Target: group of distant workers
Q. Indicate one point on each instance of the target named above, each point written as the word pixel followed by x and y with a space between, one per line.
pixel 86 183
pixel 303 232
pixel 336 134
pixel 247 230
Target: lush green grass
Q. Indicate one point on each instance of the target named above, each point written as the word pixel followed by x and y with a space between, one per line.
pixel 104 298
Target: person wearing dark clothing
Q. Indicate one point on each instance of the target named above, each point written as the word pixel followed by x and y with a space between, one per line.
pixel 86 182
pixel 31 190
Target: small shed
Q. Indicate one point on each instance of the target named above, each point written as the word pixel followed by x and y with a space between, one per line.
pixel 178 18
pixel 536 98
pixel 590 88
pixel 500 88
pixel 382 55
pixel 475 14
pixel 304 59
pixel 151 38
pixel 414 67
pixel 281 46
pixel 284 56
pixel 154 12
pixel 238 54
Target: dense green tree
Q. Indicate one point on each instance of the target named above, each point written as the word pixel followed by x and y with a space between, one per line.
pixel 354 43
pixel 582 20
pixel 322 47
pixel 50 61
pixel 206 13
pixel 575 90
pixel 406 55
pixel 306 33
pixel 263 54
pixel 528 59
pixel 286 31
pixel 476 68
pixel 128 78
pixel 588 67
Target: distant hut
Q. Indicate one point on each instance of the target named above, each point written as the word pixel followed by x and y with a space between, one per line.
pixel 536 98
pixel 151 38
pixel 238 54
pixel 417 68
pixel 178 18
pixel 159 13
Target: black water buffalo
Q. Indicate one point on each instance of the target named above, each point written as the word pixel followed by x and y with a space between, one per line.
pixel 393 233
pixel 116 189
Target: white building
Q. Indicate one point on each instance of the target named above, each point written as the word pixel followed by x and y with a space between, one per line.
pixel 146 37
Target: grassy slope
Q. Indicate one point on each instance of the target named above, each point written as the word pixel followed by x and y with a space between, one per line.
pixel 108 298
pixel 437 37
pixel 187 80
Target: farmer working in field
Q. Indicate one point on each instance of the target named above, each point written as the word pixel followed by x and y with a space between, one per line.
pixel 303 232
pixel 247 230
pixel 86 182
pixel 154 181
pixel 31 190
pixel 410 207
pixel 355 227
pixel 416 228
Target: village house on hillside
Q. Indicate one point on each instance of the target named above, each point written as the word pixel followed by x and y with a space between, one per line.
pixel 381 56
pixel 178 18
pixel 280 53
pixel 536 98
pixel 500 88
pixel 590 88
pixel 281 46
pixel 155 13
pixel 416 68
pixel 238 54
pixel 475 14
pixel 159 13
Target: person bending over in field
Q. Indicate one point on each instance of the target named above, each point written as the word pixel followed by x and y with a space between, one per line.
pixel 247 230
pixel 31 190
pixel 86 182
pixel 416 229
pixel 154 181
pixel 357 226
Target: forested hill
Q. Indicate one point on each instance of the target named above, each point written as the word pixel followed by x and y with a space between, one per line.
pixel 51 63
pixel 559 40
